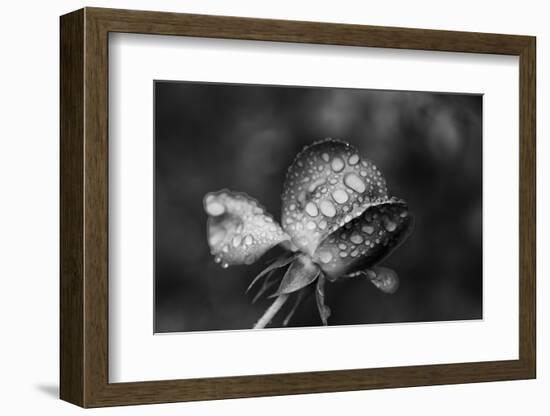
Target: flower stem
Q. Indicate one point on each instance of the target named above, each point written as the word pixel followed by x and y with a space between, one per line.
pixel 271 311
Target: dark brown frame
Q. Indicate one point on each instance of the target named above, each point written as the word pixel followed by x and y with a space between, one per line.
pixel 84 213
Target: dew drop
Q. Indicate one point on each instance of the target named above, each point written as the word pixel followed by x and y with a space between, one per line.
pixel 356 239
pixel 353 159
pixel 327 208
pixel 351 180
pixel 369 229
pixel 225 249
pixel 225 265
pixel 404 214
pixel 217 259
pixel 347 218
pixel 323 225
pixel 354 253
pixel 214 208
pixel 325 256
pixel 311 225
pixel 337 164
pixel 325 157
pixel 312 209
pixel 389 225
pixel 248 240
pixel 236 240
pixel 342 246
pixel 340 196
pixel 343 254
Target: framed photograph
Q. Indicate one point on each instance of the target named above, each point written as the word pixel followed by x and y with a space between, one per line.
pixel 260 207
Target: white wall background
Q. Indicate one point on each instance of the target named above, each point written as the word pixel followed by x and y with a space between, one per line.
pixel 29 172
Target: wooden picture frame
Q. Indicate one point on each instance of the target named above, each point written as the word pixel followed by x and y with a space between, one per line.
pixel 84 207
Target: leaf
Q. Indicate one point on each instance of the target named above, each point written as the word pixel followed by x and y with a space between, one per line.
pixel 366 240
pixel 277 264
pixel 267 284
pixel 238 228
pixel 324 310
pixel 302 272
pixel 383 278
pixel 299 297
pixel 327 185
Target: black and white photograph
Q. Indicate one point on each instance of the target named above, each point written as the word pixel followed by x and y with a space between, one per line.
pixel 290 206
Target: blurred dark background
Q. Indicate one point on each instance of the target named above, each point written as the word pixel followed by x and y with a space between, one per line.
pixel 210 136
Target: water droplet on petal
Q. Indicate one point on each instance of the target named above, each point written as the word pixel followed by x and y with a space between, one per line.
pixel 353 159
pixel 311 209
pixel 327 208
pixel 351 180
pixel 340 196
pixel 325 157
pixel 214 208
pixel 343 254
pixel 354 253
pixel 389 225
pixel 217 259
pixel 325 256
pixel 225 265
pixel 323 225
pixel 248 240
pixel 342 246
pixel 237 241
pixel 369 229
pixel 311 225
pixel 337 164
pixel 356 239
pixel 404 214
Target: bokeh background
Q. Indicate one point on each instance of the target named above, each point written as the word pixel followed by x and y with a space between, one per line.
pixel 210 136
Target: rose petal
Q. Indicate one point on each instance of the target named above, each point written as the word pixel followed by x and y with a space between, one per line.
pixel 327 185
pixel 238 228
pixel 366 240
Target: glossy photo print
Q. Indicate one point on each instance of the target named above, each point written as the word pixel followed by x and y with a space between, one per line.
pixel 285 206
